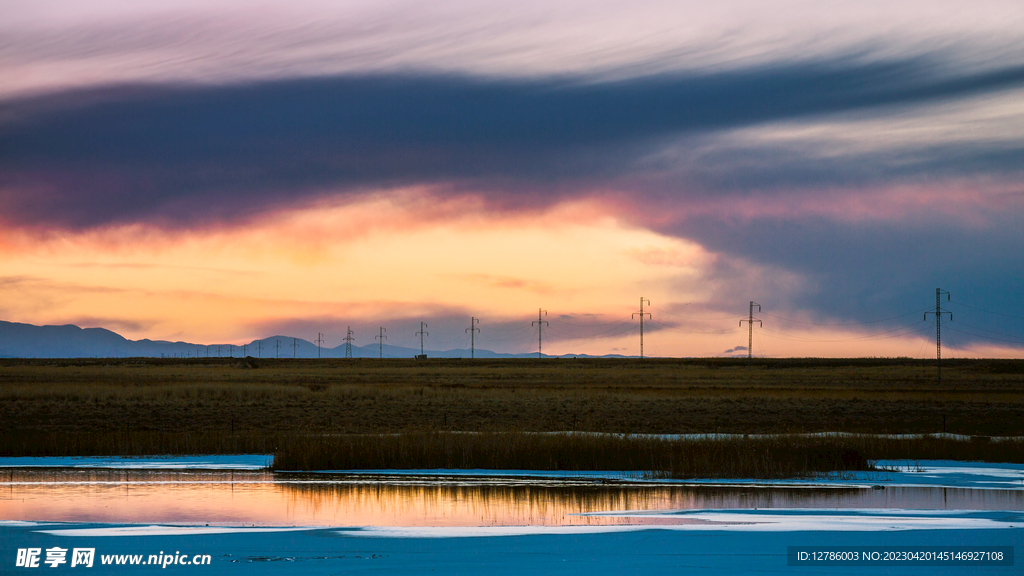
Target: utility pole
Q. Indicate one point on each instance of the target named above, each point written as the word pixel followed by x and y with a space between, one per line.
pixel 750 326
pixel 381 338
pixel 348 343
pixel 231 350
pixel 938 327
pixel 277 346
pixel 641 313
pixel 421 334
pixel 259 349
pixel 245 350
pixel 540 328
pixel 472 336
pixel 295 347
pixel 319 343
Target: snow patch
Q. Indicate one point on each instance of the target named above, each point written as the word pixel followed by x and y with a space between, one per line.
pixel 773 520
pixel 157 530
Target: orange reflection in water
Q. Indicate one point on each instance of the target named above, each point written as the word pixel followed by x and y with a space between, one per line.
pixel 266 498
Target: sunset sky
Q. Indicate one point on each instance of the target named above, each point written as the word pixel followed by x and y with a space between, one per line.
pixel 220 171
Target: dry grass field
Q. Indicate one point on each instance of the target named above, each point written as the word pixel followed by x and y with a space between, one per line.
pixel 230 405
pixel 984 397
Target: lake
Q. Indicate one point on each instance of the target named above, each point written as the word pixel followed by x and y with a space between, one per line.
pixel 259 497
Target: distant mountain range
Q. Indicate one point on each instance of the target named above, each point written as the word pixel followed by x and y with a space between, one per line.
pixel 29 341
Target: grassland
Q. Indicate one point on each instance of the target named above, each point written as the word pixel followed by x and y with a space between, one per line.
pixel 230 405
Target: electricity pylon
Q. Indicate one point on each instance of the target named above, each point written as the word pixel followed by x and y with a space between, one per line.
pixel 421 334
pixel 750 325
pixel 540 329
pixel 938 327
pixel 472 333
pixel 319 343
pixel 381 338
pixel 642 313
pixel 348 343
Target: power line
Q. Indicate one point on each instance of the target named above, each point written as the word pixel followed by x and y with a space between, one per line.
pixel 854 339
pixel 903 331
pixel 988 311
pixel 620 328
pixel 845 323
pixel 685 331
pixel 985 337
pixel 695 317
pixel 295 347
pixel 540 329
pixel 561 320
pixel 989 331
pixel 277 345
pixel 319 343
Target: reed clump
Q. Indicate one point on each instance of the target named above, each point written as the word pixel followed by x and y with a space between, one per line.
pixel 134 443
pixel 707 457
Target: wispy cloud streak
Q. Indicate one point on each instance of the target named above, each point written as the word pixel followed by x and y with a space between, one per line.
pixel 181 155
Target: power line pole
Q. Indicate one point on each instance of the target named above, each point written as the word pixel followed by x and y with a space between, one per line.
pixel 319 343
pixel 245 350
pixel 231 350
pixel 277 345
pixel 295 346
pixel 938 327
pixel 259 348
pixel 348 343
pixel 381 338
pixel 641 313
pixel 540 328
pixel 750 325
pixel 421 334
pixel 472 334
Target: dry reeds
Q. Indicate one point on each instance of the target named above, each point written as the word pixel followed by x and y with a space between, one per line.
pixel 133 443
pixel 769 457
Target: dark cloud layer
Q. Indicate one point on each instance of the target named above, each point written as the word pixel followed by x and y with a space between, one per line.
pixel 185 156
pixel 182 156
pixel 875 278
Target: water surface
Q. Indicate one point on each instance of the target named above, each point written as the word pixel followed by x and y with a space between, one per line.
pixel 289 499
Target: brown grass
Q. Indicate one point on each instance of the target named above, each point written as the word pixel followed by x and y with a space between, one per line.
pixel 773 457
pixel 624 396
pixel 140 406
pixel 777 456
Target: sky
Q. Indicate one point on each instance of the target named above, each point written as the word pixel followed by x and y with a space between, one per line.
pixel 221 171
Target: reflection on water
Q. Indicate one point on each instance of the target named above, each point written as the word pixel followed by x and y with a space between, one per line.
pixel 266 498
